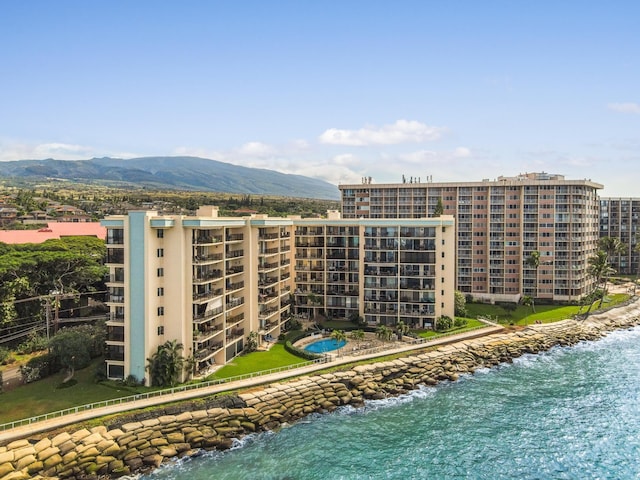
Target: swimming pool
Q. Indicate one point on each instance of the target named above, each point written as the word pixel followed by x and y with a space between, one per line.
pixel 326 345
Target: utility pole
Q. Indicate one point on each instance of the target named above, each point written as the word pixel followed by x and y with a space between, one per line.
pixel 47 311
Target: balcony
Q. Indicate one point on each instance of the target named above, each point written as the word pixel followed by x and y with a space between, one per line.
pixel 206 240
pixel 201 296
pixel 204 277
pixel 234 253
pixel 208 352
pixel 115 318
pixel 207 315
pixel 207 334
pixel 200 259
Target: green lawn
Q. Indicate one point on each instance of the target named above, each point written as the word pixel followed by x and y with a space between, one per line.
pixel 275 357
pixel 45 396
pixel 472 323
pixel 523 315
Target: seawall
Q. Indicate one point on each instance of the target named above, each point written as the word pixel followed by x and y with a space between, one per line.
pixel 136 442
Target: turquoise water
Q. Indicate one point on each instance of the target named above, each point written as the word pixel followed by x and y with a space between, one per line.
pixel 326 345
pixel 571 413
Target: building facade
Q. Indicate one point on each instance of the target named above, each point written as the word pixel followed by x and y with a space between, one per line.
pixel 210 282
pixel 499 223
pixel 620 218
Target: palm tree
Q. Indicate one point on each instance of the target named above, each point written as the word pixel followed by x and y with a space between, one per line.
pixel 600 270
pixel 636 247
pixel 612 246
pixel 166 365
pixel 533 262
pixel 402 329
pixel 339 336
pixel 384 333
pixel 357 335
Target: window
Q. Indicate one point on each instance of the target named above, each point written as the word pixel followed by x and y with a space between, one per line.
pixel 160 311
pixel 160 233
pixel 161 272
pixel 160 330
pixel 160 252
pixel 160 291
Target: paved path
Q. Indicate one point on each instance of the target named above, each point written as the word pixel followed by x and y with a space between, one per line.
pixel 54 423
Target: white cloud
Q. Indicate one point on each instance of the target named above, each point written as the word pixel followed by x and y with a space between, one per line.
pixel 345 159
pixel 256 149
pixel 628 107
pixel 403 131
pixel 60 151
pixel 461 152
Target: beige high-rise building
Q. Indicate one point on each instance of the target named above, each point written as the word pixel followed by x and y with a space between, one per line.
pixel 499 223
pixel 210 282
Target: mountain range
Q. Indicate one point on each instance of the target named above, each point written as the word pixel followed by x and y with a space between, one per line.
pixel 173 173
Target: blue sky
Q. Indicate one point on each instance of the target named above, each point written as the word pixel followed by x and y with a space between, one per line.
pixel 340 90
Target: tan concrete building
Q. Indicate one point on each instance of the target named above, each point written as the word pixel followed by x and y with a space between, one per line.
pixel 208 282
pixel 499 223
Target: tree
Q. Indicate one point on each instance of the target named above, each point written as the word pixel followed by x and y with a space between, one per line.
pixel 384 333
pixel 73 348
pixel 533 262
pixel 252 341
pixel 612 246
pixel 357 335
pixel 402 329
pixel 600 270
pixel 438 210
pixel 460 304
pixel 637 249
pixel 356 318
pixel 166 365
pixel 339 337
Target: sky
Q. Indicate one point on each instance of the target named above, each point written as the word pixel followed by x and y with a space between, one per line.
pixel 337 90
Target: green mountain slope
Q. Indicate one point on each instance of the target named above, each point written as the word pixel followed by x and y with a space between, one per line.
pixel 184 173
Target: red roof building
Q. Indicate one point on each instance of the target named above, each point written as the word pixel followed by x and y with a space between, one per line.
pixel 54 230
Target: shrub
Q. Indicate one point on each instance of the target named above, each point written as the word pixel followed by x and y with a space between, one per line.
pixel 298 352
pixel 132 381
pixel 460 322
pixel 33 343
pixel 444 323
pixel 39 367
pixel 5 354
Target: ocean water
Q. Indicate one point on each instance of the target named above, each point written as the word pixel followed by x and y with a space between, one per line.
pixel 570 413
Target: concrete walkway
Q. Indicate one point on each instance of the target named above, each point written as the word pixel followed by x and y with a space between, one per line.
pixel 55 423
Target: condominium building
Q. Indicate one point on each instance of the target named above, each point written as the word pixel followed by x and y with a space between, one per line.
pixel 208 282
pixel 499 223
pixel 620 218
pixel 385 270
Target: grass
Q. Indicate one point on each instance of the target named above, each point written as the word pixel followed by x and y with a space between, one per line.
pixel 275 357
pixel 48 395
pixel 472 323
pixel 524 315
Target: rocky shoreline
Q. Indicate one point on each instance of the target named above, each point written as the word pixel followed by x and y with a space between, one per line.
pixel 137 442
